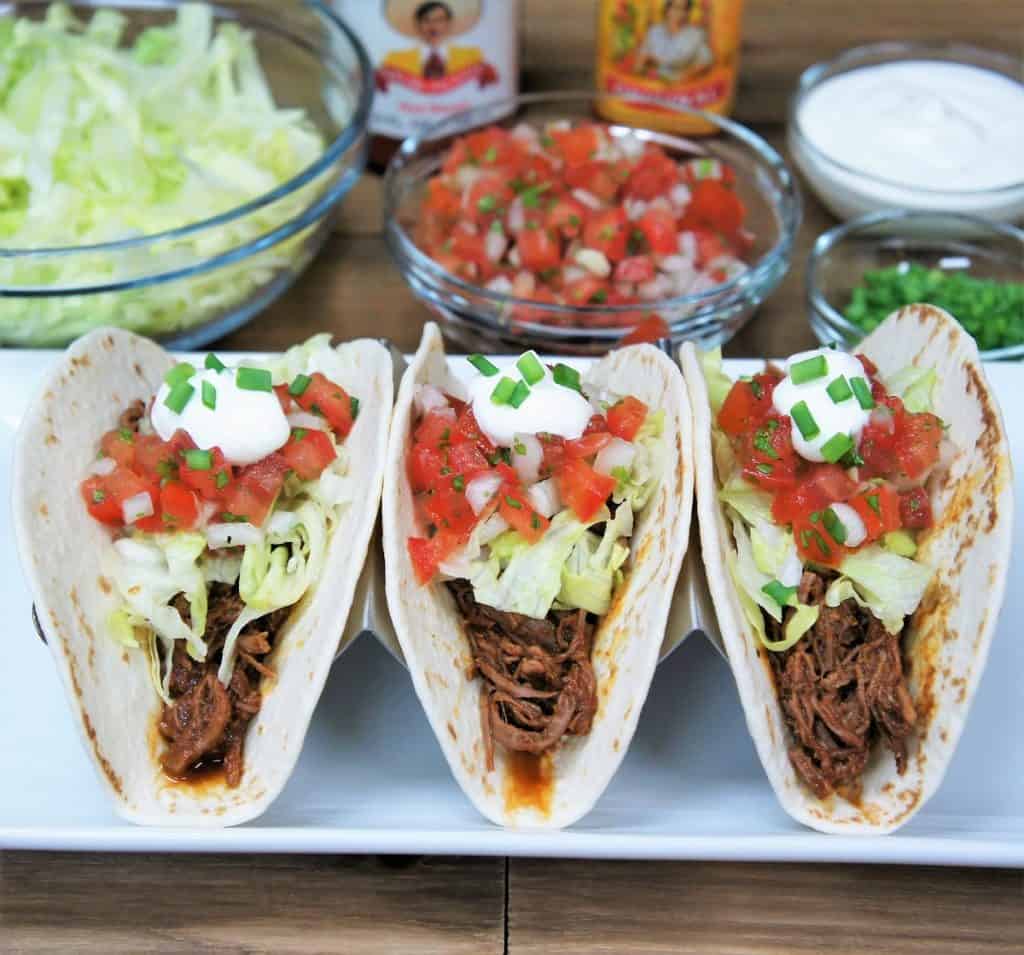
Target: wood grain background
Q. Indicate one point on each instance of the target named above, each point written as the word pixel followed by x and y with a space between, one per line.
pixel 99 904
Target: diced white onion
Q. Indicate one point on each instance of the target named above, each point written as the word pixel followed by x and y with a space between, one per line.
pixel 544 498
pixel 674 263
pixel 481 489
pixel 491 528
pixel 135 552
pixel 137 507
pixel 333 487
pixel 527 463
pixel 680 195
pixel 881 417
pixel 856 532
pixel 103 466
pixel 656 288
pixel 525 132
pixel 631 144
pixel 513 257
pixel 495 245
pixel 572 273
pixel 281 522
pixel 615 454
pixel 232 535
pixel 558 126
pixel 595 262
pixel 791 570
pixel 688 245
pixel 499 284
pixel 430 398
pixel 516 218
pixel 661 203
pixel 307 420
pixel 467 175
pixel 635 208
pixel 587 198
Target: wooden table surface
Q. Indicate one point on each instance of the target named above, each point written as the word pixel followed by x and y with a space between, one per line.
pixel 95 903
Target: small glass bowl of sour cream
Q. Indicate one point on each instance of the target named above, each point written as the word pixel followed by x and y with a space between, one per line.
pixel 913 126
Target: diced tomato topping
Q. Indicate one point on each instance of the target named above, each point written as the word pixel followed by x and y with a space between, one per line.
pixel 660 231
pixel 582 488
pixel 635 269
pixel 651 329
pixel 179 509
pixel 917 443
pixel 915 509
pixel 823 485
pixel 155 458
pixel 626 417
pixel 100 501
pixel 577 146
pixel 715 206
pixel 210 483
pixel 427 554
pixel 538 249
pixel 253 493
pixel 588 290
pixel 566 216
pixel 308 452
pixel 767 454
pixel 654 175
pixel 119 445
pixel 747 404
pixel 329 400
pixel 467 460
pixel 813 542
pixel 514 506
pixel 284 398
pixel 588 445
pixel 597 178
pixel 879 508
pixel 487 199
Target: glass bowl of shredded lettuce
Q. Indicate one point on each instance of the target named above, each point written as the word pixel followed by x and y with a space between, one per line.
pixel 168 168
pixel 863 270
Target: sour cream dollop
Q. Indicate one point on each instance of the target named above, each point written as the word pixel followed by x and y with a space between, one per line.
pixel 831 417
pixel 246 425
pixel 550 408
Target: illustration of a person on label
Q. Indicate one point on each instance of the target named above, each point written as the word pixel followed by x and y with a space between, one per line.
pixel 434 62
pixel 674 47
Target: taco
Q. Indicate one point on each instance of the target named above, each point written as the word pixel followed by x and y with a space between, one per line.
pixel 192 538
pixel 855 516
pixel 535 521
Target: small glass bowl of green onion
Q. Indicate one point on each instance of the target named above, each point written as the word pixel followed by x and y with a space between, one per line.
pixel 865 269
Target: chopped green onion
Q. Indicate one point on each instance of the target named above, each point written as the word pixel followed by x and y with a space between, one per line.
pixel 222 480
pixel 199 460
pixel 209 394
pixel 180 372
pixel 862 393
pixel 872 500
pixel 809 369
pixel 763 442
pixel 213 362
pixel 179 396
pixel 491 155
pixel 487 203
pixel 535 521
pixel 486 368
pixel 126 434
pixel 839 390
pixel 299 385
pixel 254 379
pixel 519 447
pixel 299 433
pixel 531 196
pixel 99 495
pixel 765 468
pixel 835 527
pixel 530 368
pixel 503 391
pixel 780 593
pixel 458 482
pixel 513 503
pixel 566 377
pixel 520 394
pixel 353 406
pixel 756 389
pixel 804 420
pixel 836 446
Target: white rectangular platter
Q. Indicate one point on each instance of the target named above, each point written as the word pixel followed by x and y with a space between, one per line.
pixel 371 778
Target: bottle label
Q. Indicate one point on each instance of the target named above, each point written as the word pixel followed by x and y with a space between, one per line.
pixel 434 58
pixel 683 51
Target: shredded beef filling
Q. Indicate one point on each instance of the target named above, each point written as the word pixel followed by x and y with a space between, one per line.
pixel 132 415
pixel 539 683
pixel 841 687
pixel 206 721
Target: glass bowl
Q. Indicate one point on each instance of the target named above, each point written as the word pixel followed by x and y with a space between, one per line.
pixel 190 285
pixel 478 318
pixel 945 241
pixel 849 192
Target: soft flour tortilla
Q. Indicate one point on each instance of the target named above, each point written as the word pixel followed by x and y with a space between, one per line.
pixel 626 645
pixel 947 639
pixel 63 552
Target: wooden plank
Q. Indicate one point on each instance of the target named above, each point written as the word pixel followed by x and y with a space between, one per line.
pixel 563 908
pixel 109 904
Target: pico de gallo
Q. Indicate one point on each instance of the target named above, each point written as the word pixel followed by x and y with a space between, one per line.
pixel 823 470
pixel 526 485
pixel 574 215
pixel 220 493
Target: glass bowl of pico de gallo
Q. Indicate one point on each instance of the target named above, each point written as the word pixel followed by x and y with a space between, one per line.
pixel 529 223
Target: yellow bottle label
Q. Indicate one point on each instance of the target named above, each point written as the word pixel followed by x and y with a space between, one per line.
pixel 683 51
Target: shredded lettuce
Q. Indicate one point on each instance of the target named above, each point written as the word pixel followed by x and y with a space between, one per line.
pixel 718 382
pixel 751 503
pixel 593 569
pixel 101 142
pixel 636 484
pixel 915 386
pixel 900 542
pixel 889 585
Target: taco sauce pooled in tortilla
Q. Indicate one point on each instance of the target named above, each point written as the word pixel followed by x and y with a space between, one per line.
pixel 822 470
pixel 220 495
pixel 525 493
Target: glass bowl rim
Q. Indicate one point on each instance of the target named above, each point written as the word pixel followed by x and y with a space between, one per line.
pixel 833 237
pixel 897 51
pixel 349 134
pixel 410 256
